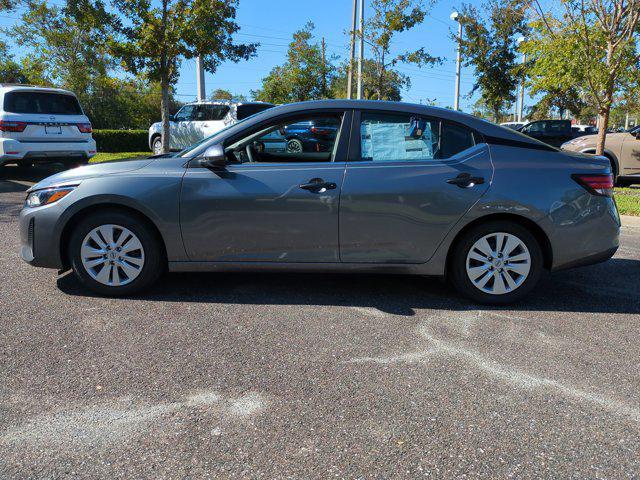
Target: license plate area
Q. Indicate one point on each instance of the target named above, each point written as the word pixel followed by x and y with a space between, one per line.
pixel 53 129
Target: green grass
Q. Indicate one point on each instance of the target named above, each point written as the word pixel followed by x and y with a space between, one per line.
pixel 105 157
pixel 628 201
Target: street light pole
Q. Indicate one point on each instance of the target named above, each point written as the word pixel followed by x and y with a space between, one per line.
pixel 524 61
pixel 352 57
pixel 455 16
pixel 361 53
pixel 200 79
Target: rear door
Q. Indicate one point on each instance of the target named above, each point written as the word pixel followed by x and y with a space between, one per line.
pixel 207 120
pixel 408 181
pixel 46 116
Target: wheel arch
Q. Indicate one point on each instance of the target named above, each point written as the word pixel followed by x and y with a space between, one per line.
pixel 530 225
pixel 153 139
pixel 92 209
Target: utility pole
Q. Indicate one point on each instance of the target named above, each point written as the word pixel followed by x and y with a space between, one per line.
pixel 455 16
pixel 524 61
pixel 626 121
pixel 200 79
pixel 361 55
pixel 352 57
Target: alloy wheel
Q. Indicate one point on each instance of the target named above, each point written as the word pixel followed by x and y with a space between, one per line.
pixel 498 263
pixel 112 255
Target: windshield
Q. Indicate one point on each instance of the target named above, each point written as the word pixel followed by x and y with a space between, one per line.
pixel 187 152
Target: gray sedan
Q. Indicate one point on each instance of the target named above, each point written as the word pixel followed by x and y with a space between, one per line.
pixel 384 187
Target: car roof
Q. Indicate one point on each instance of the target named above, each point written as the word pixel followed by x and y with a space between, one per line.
pixel 11 87
pixel 226 102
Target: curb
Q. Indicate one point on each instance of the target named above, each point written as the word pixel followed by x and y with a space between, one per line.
pixel 630 221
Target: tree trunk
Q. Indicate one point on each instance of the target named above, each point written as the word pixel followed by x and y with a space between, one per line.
pixel 164 106
pixel 603 124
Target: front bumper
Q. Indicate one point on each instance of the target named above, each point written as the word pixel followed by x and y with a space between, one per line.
pixel 12 150
pixel 39 236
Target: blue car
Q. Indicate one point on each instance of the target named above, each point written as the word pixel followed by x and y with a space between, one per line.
pixel 310 136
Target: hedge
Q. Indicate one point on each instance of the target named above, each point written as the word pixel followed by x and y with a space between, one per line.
pixel 121 140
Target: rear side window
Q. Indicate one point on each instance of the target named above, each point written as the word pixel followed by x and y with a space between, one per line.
pixel 211 112
pixel 397 138
pixel 454 139
pixel 41 102
pixel 245 111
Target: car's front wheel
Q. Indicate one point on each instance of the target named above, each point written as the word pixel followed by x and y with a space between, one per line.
pixel 496 263
pixel 156 145
pixel 114 253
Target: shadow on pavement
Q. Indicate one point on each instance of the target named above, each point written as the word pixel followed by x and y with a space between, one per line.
pixel 590 289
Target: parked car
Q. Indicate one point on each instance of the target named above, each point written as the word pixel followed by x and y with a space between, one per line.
pixel 551 132
pixel 579 130
pixel 400 189
pixel 513 125
pixel 199 120
pixel 40 124
pixel 621 149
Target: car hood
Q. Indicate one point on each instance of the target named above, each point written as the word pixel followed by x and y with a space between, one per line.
pixel 76 175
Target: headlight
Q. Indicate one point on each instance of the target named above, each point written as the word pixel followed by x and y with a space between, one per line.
pixel 48 196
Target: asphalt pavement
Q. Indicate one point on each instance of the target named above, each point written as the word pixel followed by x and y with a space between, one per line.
pixel 316 376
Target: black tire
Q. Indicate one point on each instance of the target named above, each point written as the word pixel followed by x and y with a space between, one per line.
pixel 154 259
pixel 156 145
pixel 458 271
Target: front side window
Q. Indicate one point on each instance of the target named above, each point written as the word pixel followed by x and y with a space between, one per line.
pixel 307 139
pixel 396 138
pixel 185 113
pixel 41 102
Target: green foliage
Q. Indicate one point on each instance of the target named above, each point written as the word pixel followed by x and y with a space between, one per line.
pixel 628 201
pixel 389 18
pixel 10 70
pixel 222 94
pixel 565 99
pixel 121 140
pixel 390 89
pixel 111 156
pixel 306 75
pixel 155 37
pixel 589 45
pixel 489 46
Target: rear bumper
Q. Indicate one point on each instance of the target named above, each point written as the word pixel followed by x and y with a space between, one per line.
pixel 12 150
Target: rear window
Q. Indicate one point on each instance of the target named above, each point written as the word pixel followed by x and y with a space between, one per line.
pixel 41 102
pixel 245 111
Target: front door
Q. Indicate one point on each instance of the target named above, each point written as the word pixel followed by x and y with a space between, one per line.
pixel 269 204
pixel 207 120
pixel 411 181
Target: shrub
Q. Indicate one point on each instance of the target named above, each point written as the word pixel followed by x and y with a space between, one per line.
pixel 121 140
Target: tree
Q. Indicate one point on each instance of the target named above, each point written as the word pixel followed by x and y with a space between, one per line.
pixel 591 44
pixel 490 47
pixel 306 74
pixel 155 40
pixel 222 94
pixel 391 88
pixel 565 99
pixel 389 18
pixel 10 70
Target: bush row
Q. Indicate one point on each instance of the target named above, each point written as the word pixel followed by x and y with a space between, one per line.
pixel 121 140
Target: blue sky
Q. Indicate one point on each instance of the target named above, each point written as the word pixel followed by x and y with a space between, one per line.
pixel 272 22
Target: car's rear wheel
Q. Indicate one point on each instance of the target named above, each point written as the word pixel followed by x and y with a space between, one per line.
pixel 294 146
pixel 496 263
pixel 156 145
pixel 114 253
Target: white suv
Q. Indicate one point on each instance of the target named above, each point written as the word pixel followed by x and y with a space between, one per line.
pixel 43 124
pixel 199 120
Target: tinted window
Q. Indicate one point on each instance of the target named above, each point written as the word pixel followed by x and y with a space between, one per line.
pixel 245 111
pixel 211 112
pixel 397 138
pixel 41 102
pixel 454 139
pixel 185 113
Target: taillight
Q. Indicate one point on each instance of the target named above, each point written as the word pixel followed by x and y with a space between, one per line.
pixel 10 126
pixel 596 184
pixel 85 127
pixel 319 131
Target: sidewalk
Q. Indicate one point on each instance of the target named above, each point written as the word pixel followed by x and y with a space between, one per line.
pixel 630 221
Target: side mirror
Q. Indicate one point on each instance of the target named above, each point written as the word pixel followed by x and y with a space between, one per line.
pixel 214 158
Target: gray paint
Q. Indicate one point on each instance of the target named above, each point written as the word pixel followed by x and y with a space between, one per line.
pixel 395 218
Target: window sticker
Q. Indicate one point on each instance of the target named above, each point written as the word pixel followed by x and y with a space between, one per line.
pixel 388 142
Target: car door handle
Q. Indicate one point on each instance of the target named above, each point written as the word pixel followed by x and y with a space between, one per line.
pixel 318 185
pixel 465 180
